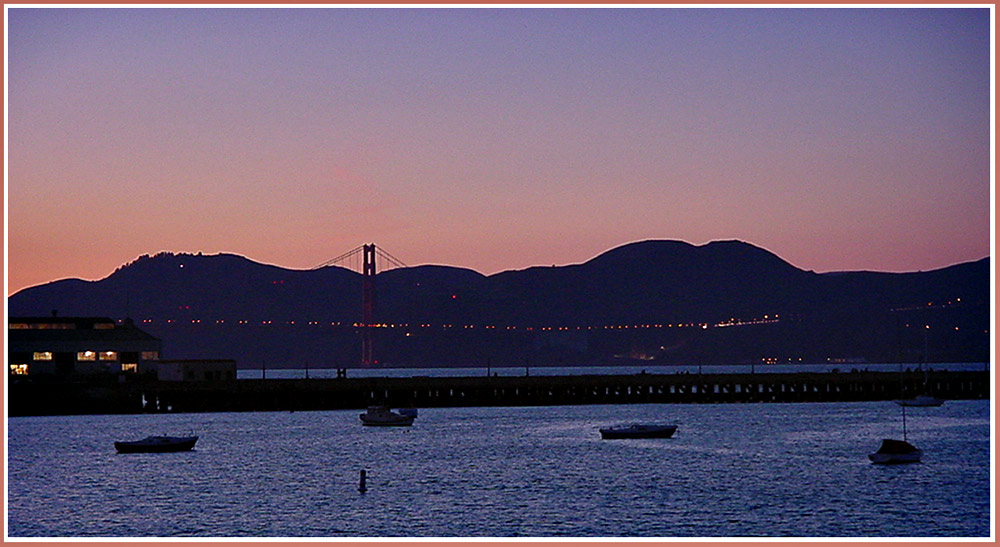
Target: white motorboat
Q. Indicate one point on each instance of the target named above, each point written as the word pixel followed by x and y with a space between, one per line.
pixel 381 415
pixel 638 431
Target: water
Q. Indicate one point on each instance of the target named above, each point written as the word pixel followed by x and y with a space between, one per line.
pixel 452 372
pixel 734 470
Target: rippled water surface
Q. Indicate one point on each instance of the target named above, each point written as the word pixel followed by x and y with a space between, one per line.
pixel 731 470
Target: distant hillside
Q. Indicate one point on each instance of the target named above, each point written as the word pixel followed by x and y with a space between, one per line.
pixel 228 306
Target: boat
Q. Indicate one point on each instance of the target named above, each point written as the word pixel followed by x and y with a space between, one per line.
pixel 924 398
pixel 895 451
pixel 156 443
pixel 381 415
pixel 638 431
pixel 920 400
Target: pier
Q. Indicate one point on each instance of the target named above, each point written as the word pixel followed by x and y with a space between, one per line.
pixel 427 392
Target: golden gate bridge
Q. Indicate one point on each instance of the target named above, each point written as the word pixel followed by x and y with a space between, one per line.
pixel 367 254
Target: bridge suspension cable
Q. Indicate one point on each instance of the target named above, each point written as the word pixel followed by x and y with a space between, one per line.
pixel 352 258
pixel 368 253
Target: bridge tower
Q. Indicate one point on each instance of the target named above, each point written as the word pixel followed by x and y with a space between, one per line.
pixel 368 307
pixel 367 325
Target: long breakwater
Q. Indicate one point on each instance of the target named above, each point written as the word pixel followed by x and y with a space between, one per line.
pixel 424 392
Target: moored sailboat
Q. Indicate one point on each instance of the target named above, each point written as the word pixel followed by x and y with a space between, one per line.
pixel 896 451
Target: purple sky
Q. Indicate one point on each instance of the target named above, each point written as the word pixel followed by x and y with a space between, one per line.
pixel 495 139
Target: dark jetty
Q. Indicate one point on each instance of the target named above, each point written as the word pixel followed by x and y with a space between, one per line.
pixel 424 392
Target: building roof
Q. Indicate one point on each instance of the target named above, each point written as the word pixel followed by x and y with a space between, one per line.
pixel 73 329
pixel 55 322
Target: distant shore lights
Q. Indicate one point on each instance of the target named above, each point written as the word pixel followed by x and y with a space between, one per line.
pixel 732 322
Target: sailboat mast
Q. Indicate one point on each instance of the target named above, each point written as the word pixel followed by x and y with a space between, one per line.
pixel 904 423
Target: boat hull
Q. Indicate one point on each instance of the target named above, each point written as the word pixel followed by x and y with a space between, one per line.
pixel 156 445
pixel 894 451
pixel 382 416
pixel 922 400
pixel 401 421
pixel 638 432
pixel 912 457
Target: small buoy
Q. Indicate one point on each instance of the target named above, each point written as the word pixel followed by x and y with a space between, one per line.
pixel 362 487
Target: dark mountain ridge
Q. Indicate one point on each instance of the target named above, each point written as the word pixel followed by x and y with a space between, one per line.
pixel 193 302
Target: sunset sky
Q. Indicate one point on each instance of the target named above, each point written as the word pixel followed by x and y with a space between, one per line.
pixel 495 139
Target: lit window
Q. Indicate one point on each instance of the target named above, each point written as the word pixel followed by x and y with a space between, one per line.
pixel 18 326
pixel 55 326
pixel 43 356
pixel 150 355
pixel 109 356
pixel 19 370
pixel 130 367
pixel 86 356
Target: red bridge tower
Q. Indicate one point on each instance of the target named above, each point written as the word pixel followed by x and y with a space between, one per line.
pixel 368 307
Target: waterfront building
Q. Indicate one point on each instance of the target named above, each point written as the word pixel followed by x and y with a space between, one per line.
pixel 73 346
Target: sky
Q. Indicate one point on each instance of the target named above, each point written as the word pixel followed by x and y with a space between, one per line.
pixel 495 139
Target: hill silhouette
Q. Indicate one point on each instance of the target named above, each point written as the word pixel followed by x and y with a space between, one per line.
pixel 725 301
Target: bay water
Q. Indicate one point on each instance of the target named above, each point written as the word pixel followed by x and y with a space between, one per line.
pixel 731 470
